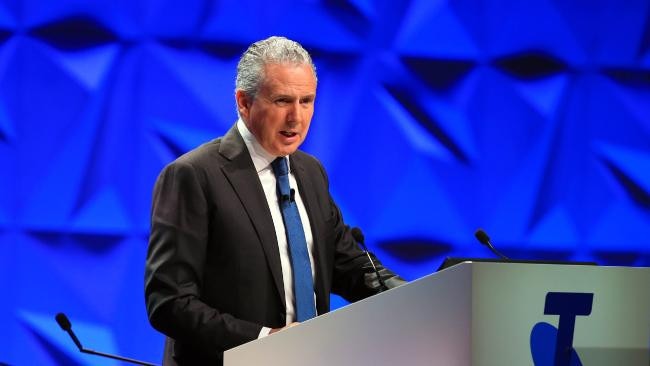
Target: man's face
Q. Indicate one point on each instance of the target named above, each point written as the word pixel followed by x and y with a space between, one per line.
pixel 281 112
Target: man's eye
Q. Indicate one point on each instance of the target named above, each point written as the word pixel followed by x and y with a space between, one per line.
pixel 281 101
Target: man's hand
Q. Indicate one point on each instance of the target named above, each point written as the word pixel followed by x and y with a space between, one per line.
pixel 390 279
pixel 274 330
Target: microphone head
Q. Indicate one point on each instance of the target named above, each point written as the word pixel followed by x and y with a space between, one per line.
pixel 357 235
pixel 482 236
pixel 63 321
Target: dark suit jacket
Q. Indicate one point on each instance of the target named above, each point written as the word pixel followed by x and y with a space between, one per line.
pixel 213 275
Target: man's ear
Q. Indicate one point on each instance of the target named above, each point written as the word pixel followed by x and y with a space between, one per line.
pixel 243 103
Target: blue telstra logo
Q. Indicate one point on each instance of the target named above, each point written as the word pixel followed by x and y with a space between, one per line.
pixel 554 347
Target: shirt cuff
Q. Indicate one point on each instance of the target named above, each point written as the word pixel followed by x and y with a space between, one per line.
pixel 264 332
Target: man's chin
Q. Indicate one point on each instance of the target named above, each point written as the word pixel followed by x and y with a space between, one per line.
pixel 284 150
pixel 287 152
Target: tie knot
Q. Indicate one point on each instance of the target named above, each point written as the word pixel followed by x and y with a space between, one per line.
pixel 280 166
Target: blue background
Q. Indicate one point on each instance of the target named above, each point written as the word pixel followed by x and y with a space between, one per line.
pixel 530 119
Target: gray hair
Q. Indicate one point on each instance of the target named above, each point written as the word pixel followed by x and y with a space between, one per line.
pixel 280 50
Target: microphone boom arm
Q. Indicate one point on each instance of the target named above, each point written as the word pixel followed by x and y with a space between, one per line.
pixel 65 324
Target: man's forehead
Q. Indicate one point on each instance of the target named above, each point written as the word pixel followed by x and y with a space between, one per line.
pixel 287 65
pixel 289 77
pixel 289 69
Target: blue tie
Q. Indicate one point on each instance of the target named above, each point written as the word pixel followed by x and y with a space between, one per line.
pixel 303 284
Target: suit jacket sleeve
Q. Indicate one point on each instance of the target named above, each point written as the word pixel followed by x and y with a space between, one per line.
pixel 352 276
pixel 175 265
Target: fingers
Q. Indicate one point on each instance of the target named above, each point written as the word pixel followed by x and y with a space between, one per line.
pixel 275 330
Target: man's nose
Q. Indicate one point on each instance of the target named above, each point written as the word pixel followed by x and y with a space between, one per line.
pixel 295 113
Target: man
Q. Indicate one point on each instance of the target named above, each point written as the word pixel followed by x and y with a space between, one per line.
pixel 245 238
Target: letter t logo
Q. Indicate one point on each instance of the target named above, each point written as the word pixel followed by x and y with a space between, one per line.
pixel 567 305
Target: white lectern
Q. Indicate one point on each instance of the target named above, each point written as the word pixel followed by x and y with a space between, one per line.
pixel 476 314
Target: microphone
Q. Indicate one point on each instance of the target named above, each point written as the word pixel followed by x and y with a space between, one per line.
pixel 65 324
pixel 358 237
pixel 483 237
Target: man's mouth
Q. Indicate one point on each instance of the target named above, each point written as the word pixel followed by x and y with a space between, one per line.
pixel 288 133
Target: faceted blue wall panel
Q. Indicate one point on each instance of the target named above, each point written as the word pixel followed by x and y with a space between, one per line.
pixel 530 119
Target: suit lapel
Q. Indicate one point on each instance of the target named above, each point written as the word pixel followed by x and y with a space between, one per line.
pixel 241 174
pixel 309 197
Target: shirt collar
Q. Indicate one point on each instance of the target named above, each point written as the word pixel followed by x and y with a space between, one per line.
pixel 262 159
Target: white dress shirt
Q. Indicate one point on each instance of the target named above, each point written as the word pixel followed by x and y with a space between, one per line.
pixel 262 161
